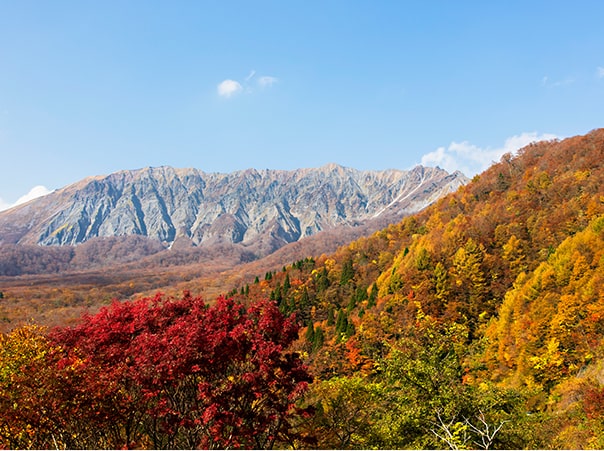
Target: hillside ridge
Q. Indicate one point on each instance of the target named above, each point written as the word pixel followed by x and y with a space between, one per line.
pixel 262 209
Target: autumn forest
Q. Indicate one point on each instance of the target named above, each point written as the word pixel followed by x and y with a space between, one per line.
pixel 477 323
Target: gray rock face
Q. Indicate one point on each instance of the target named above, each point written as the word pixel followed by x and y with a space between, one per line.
pixel 165 203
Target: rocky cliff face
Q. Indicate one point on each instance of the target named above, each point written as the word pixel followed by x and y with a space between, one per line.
pixel 197 208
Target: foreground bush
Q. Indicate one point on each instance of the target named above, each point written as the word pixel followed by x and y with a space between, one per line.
pixel 156 373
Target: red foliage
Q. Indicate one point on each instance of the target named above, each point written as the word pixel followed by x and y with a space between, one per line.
pixel 593 404
pixel 180 373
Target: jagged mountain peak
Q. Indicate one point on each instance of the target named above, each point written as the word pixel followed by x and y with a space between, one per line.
pixel 273 207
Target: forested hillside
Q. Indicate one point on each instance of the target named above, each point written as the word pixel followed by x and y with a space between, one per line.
pixel 476 323
pixel 479 310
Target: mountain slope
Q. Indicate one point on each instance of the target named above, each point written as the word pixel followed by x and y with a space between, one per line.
pixel 499 283
pixel 263 209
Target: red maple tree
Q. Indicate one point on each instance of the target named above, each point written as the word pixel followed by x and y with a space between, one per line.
pixel 179 373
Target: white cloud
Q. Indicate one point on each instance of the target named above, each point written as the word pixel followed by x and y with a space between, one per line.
pixel 471 159
pixel 600 72
pixel 34 193
pixel 227 88
pixel 266 81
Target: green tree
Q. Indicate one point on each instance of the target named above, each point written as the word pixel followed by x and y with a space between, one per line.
pixel 341 324
pixel 322 280
pixel 373 296
pixel 304 299
pixel 319 339
pixel 346 409
pixel 286 284
pixel 347 272
pixel 431 406
pixel 310 333
pixel 330 316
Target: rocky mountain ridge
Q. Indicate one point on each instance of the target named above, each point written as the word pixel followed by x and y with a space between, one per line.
pixel 263 209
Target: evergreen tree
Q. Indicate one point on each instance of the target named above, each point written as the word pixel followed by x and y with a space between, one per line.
pixel 319 339
pixel 322 280
pixel 352 303
pixel 310 333
pixel 304 299
pixel 347 272
pixel 373 296
pixel 350 330
pixel 341 325
pixel 330 316
pixel 276 294
pixel 286 284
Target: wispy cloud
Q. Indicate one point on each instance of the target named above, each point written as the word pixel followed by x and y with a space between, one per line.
pixel 251 75
pixel 34 193
pixel 546 82
pixel 600 72
pixel 228 88
pixel 471 159
pixel 267 80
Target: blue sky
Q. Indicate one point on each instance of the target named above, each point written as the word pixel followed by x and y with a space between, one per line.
pixel 89 88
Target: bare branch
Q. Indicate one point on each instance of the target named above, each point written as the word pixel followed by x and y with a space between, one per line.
pixel 456 436
pixel 486 433
pixel 448 436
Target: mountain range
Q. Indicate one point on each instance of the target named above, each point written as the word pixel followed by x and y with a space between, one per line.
pixel 259 209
